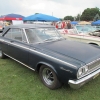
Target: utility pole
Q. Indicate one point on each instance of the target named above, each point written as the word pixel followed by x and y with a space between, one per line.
pixel 52 13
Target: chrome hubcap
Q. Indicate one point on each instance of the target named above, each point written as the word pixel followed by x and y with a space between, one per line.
pixel 48 76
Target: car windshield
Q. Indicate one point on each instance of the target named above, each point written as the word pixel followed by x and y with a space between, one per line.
pixel 42 34
pixel 85 28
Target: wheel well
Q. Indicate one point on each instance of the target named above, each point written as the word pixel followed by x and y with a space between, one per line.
pixel 94 44
pixel 38 67
pixel 43 63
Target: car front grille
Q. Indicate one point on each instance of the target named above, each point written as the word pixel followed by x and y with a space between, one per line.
pixel 94 65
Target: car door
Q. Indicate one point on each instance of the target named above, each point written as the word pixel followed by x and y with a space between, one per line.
pixel 16 45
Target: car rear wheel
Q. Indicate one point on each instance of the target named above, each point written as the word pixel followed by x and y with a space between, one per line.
pixel 2 55
pixel 49 78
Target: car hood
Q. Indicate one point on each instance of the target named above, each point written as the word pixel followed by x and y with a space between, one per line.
pixel 80 51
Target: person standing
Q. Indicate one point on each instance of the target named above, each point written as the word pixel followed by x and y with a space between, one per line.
pixel 69 26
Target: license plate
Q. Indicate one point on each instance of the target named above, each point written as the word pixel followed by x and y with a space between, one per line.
pixel 96 76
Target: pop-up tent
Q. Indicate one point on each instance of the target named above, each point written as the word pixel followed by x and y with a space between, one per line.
pixel 74 22
pixel 41 17
pixel 12 17
pixel 96 22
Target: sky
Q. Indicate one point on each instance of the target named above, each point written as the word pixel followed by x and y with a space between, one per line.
pixel 57 8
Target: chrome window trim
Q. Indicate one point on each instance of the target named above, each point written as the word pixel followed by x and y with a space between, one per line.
pixel 25 35
pixel 41 54
pixel 19 62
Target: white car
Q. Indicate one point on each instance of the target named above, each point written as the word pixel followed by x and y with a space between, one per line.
pixel 84 36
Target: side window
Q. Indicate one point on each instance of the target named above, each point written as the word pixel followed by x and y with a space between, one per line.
pixel 16 34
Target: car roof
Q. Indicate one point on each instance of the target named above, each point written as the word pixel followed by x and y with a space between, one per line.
pixel 27 26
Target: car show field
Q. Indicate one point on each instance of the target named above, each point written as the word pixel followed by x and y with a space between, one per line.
pixel 50 50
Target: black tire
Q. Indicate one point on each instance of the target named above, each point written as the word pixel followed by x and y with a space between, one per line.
pixel 2 56
pixel 49 78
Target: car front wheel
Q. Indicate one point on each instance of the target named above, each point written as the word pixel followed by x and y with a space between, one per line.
pixel 49 78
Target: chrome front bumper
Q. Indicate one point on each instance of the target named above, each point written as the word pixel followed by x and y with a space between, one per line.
pixel 75 84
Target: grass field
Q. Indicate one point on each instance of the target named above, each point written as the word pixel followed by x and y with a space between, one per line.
pixel 20 83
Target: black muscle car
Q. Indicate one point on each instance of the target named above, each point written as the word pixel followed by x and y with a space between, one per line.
pixel 58 60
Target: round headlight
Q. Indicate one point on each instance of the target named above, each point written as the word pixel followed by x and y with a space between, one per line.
pixel 82 71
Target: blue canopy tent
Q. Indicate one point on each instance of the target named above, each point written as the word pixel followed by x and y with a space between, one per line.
pixel 96 22
pixel 41 17
pixel 74 22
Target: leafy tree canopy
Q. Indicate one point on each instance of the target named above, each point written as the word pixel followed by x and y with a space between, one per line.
pixel 69 18
pixel 89 14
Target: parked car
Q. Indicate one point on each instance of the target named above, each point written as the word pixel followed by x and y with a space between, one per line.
pixel 85 29
pixel 58 60
pixel 88 34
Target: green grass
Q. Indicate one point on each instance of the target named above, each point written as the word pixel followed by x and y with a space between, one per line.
pixel 20 83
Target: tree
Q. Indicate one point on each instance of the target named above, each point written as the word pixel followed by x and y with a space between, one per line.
pixel 36 13
pixel 97 17
pixel 69 18
pixel 78 17
pixel 89 14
